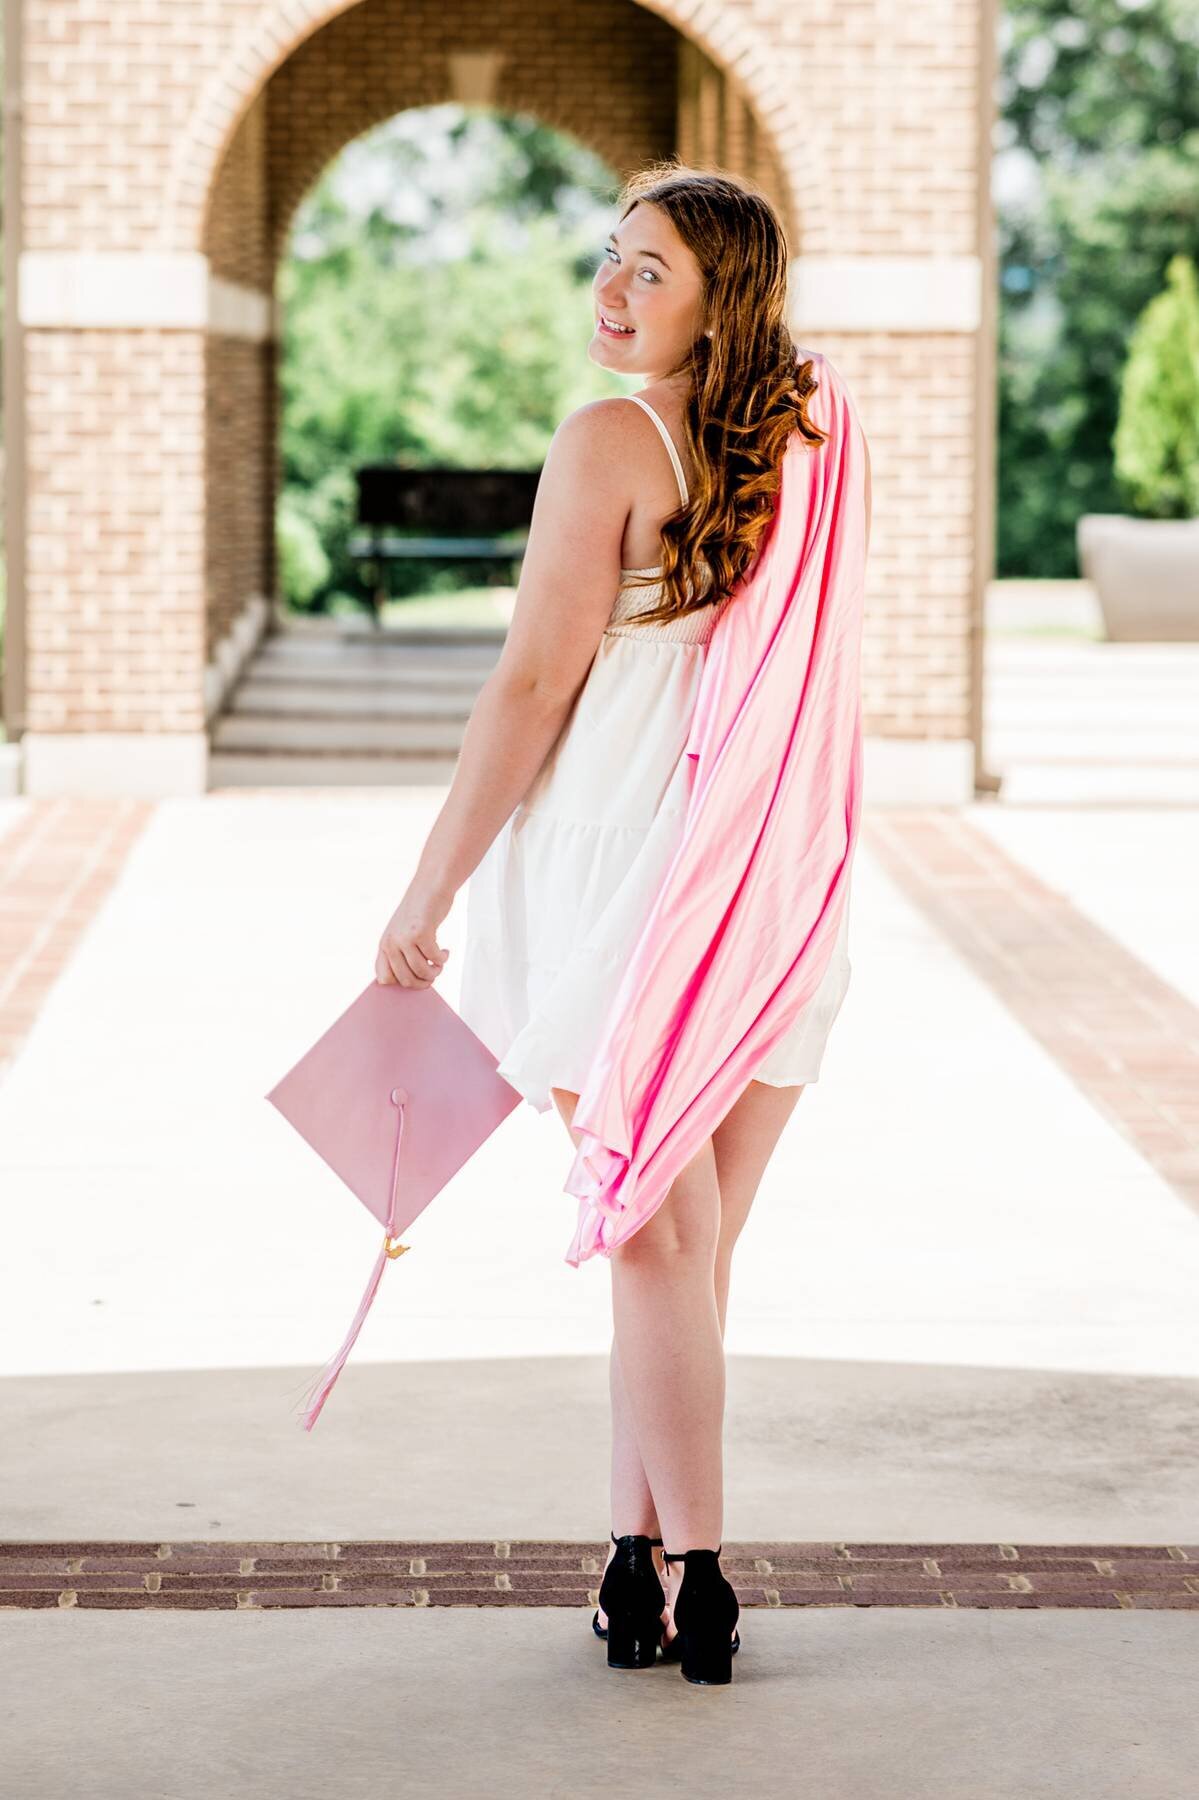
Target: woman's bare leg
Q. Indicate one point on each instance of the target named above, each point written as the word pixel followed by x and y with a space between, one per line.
pixel 671 1354
pixel 668 1333
pixel 740 1149
pixel 632 1503
pixel 743 1143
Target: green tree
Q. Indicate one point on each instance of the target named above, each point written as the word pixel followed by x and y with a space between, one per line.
pixel 1157 433
pixel 1099 149
pixel 3 355
pixel 436 312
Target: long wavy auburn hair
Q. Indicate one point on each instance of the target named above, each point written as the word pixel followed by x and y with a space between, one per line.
pixel 748 389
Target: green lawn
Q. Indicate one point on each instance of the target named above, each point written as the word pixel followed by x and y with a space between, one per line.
pixel 468 608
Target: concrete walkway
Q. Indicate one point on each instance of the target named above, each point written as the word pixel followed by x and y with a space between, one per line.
pixel 505 1705
pixel 963 1311
pixel 241 924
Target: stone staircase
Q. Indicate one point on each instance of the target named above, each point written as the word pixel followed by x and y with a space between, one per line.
pixel 1068 718
pixel 1099 724
pixel 329 707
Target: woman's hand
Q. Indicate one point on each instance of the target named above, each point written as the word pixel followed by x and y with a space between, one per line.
pixel 408 950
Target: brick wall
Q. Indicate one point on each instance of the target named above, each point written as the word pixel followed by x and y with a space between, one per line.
pixel 198 127
pixel 114 520
pixel 240 484
pixel 913 393
pixel 237 227
pixel 129 109
pixel 605 74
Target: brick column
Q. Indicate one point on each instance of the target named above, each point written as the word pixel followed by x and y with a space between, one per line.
pixel 118 686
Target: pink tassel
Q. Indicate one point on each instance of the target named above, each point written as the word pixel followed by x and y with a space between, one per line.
pixel 320 1390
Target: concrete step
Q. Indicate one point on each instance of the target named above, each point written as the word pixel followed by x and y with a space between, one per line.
pixel 1091 678
pixel 308 735
pixel 323 700
pixel 1072 784
pixel 1046 654
pixel 333 654
pixel 1092 724
pixel 1157 716
pixel 359 628
pixel 1113 698
pixel 339 708
pixel 447 675
pixel 485 646
pixel 397 636
pixel 236 769
pixel 1091 743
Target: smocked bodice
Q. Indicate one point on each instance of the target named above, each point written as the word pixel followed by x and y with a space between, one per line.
pixel 692 628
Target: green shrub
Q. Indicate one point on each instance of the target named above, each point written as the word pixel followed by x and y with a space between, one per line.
pixel 303 564
pixel 1156 440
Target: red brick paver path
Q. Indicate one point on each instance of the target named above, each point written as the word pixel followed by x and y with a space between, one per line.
pixel 248 1576
pixel 1128 1039
pixel 57 864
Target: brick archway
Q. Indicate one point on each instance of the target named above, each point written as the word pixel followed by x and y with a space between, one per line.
pixel 616 75
pixel 139 411
pixel 604 132
pixel 727 39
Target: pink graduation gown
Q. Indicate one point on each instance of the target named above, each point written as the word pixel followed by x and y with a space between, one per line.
pixel 746 918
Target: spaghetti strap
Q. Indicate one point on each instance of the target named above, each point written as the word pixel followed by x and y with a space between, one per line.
pixel 666 439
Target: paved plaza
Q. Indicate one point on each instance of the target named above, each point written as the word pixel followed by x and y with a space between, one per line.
pixel 962 1350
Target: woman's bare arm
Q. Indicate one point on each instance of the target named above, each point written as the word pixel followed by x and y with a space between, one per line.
pixel 568 584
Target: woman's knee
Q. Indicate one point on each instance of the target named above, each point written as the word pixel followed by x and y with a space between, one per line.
pixel 667 1246
pixel 686 1227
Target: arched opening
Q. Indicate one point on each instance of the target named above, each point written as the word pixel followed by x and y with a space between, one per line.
pixel 615 79
pixel 434 300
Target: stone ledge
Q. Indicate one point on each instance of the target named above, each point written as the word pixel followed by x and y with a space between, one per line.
pixel 137 764
pixel 141 290
pixel 10 770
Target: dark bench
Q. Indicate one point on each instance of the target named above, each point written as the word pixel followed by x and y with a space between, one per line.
pixel 440 516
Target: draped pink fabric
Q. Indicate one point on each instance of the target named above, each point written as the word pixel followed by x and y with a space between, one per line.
pixel 746 918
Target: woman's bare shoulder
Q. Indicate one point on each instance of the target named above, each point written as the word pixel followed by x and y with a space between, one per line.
pixel 596 421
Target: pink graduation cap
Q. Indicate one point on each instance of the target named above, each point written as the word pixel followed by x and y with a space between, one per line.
pixel 395 1097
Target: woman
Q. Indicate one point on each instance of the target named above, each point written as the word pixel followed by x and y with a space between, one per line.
pixel 567 806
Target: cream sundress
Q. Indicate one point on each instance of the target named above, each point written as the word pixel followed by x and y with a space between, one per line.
pixel 558 900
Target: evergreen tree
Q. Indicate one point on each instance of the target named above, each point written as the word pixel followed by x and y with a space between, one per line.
pixel 1157 436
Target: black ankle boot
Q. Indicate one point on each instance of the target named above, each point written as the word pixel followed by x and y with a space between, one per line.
pixel 705 1614
pixel 632 1596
